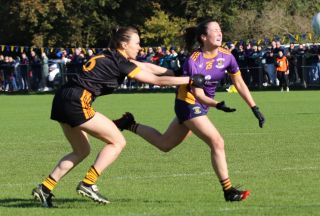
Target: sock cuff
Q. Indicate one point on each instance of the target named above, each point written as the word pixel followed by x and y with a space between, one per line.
pixel 94 170
pixel 134 127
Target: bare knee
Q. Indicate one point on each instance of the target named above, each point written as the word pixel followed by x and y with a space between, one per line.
pixel 119 143
pixel 217 144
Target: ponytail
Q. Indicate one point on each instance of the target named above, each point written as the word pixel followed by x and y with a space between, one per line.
pixel 190 38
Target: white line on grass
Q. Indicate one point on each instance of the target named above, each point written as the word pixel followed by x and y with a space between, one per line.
pixel 177 175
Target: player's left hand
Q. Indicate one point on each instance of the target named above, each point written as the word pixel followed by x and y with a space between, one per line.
pixel 258 115
pixel 197 80
pixel 222 106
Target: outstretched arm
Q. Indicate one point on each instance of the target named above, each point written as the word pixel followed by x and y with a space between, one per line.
pixel 151 78
pixel 152 68
pixel 143 76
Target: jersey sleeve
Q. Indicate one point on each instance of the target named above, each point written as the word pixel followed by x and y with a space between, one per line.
pixel 233 68
pixel 129 69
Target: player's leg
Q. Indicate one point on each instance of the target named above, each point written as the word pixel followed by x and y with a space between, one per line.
pixel 80 149
pixel 205 130
pixel 166 141
pixel 172 137
pixel 104 129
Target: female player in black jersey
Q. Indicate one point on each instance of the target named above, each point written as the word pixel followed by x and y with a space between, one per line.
pixel 72 108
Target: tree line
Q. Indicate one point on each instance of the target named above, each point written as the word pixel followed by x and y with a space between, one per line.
pixel 89 23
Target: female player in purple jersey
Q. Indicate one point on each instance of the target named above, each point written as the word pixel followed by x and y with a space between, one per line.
pixel 192 103
pixel 72 108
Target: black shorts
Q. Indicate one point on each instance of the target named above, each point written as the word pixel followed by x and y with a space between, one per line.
pixel 72 105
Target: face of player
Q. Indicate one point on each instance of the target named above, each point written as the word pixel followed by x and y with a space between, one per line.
pixel 213 38
pixel 132 47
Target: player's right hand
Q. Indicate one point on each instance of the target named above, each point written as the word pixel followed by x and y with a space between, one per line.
pixel 222 106
pixel 197 80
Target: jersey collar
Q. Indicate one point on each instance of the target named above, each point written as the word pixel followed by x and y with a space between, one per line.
pixel 209 56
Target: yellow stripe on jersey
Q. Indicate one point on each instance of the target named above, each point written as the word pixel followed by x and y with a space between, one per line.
pixel 185 95
pixel 224 50
pixel 133 73
pixel 85 103
pixel 235 74
pixel 195 55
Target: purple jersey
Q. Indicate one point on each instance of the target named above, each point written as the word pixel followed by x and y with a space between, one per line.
pixel 213 67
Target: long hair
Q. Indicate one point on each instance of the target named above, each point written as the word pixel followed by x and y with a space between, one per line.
pixel 121 34
pixel 193 34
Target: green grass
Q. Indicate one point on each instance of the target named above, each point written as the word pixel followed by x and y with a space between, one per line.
pixel 280 163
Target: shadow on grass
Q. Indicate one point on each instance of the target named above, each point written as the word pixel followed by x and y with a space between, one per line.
pixel 69 203
pixel 31 203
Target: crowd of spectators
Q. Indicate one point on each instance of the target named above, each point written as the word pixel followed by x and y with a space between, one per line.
pixel 37 72
pixel 258 64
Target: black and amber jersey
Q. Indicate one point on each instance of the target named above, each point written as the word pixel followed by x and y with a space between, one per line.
pixel 105 72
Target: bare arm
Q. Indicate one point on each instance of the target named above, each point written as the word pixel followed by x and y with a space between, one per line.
pixel 202 98
pixel 152 68
pixel 151 78
pixel 243 89
pixel 246 95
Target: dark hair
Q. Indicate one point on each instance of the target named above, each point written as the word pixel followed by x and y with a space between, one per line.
pixel 121 34
pixel 194 33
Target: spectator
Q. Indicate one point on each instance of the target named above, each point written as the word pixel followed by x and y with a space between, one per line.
pixel 243 64
pixel 24 69
pixel 278 48
pixel 1 73
pixel 255 66
pixel 44 72
pixel 314 72
pixel 283 71
pixel 158 55
pixel 301 52
pixel 142 57
pixel 150 54
pixel 182 56
pixel 35 63
pixel 174 62
pixel 165 61
pixel 17 73
pixel 77 61
pixel 269 68
pixel 9 79
pixel 250 63
pixel 293 61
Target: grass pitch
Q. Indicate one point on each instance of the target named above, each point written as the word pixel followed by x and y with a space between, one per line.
pixel 280 163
